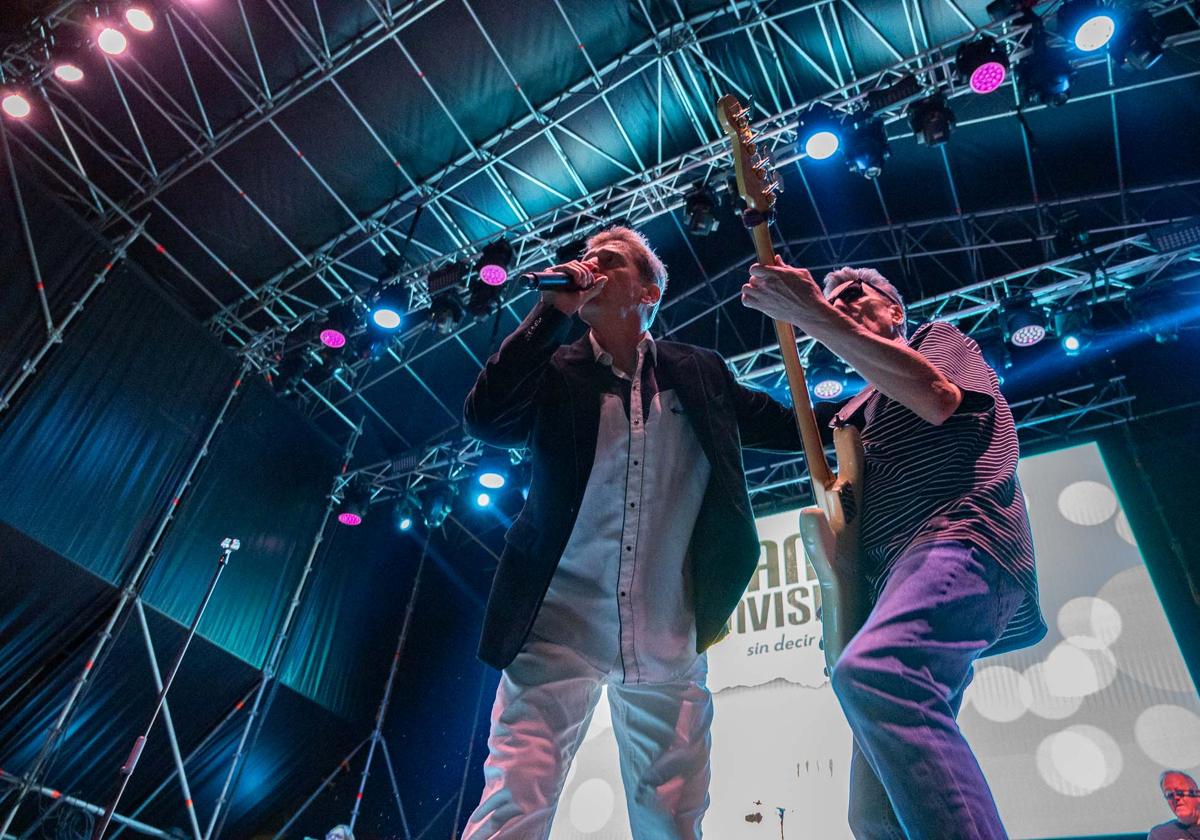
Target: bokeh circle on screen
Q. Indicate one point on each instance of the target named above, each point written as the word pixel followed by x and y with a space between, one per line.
pixel 999 693
pixel 1088 617
pixel 1170 735
pixel 592 805
pixel 1076 669
pixel 1087 502
pixel 1079 760
pixel 1043 702
pixel 1145 649
pixel 1123 529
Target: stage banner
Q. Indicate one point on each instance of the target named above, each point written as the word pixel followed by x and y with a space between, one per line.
pixel 774 633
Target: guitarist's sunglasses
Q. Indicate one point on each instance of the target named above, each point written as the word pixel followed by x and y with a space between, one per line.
pixel 852 290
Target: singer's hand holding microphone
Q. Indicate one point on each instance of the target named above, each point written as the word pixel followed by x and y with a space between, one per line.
pixel 569 286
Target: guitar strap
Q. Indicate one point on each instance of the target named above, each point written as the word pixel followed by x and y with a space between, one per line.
pixel 842 418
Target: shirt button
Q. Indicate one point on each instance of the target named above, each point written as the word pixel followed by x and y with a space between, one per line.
pixel 629 548
pixel 622 594
pixel 635 463
pixel 633 504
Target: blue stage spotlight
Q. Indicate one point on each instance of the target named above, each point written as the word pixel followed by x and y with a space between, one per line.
pixel 483 500
pixel 819 132
pixel 1088 24
pixel 492 480
pixel 387 312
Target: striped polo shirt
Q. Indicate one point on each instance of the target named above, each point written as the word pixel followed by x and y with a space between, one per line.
pixel 956 481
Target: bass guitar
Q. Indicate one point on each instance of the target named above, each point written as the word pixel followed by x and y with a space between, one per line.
pixel 829 530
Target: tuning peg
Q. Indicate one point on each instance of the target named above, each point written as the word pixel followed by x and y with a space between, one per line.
pixel 775 185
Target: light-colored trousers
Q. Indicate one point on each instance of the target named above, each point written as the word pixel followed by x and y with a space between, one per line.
pixel 543 706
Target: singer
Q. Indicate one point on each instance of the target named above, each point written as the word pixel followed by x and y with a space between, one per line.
pixel 635 544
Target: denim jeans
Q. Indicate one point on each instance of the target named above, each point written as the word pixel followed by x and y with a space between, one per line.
pixel 900 682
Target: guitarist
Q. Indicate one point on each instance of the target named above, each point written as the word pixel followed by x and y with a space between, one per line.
pixel 635 544
pixel 945 549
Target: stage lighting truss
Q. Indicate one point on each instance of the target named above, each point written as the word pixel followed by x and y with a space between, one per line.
pixel 867 147
pixel 931 120
pixel 982 63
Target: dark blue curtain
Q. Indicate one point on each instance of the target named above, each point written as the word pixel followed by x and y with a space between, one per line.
pixel 97 440
pixel 94 448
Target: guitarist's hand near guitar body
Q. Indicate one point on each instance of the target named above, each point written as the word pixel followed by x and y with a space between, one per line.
pixel 939 529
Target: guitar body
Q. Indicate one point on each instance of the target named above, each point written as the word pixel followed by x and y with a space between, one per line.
pixel 829 530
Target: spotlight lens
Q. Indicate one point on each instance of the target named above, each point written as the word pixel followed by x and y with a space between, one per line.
pixel 16 106
pixel 828 389
pixel 483 500
pixel 68 72
pixel 386 318
pixel 348 518
pixel 821 145
pixel 1095 32
pixel 987 77
pixel 1071 343
pixel 139 19
pixel 112 41
pixel 491 480
pixel 493 275
pixel 333 338
pixel 406 523
pixel 1028 336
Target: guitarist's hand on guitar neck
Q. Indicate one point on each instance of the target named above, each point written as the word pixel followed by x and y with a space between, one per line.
pixel 787 294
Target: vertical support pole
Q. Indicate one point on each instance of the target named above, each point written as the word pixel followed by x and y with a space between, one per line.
pixel 170 724
pixel 387 760
pixel 195 751
pixel 377 734
pixel 324 783
pixel 254 722
pixel 33 260
pixel 130 591
pixel 228 546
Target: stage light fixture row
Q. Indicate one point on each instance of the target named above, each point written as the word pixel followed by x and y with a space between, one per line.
pixel 107 34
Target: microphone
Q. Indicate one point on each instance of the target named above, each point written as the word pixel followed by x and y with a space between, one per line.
pixel 550 281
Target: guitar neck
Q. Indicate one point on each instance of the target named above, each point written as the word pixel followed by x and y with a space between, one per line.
pixel 810 436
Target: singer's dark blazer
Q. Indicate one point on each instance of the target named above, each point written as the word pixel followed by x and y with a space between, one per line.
pixel 536 392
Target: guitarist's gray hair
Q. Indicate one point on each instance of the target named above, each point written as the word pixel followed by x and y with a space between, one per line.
pixel 872 278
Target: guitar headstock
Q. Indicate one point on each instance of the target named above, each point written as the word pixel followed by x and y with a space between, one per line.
pixel 756 184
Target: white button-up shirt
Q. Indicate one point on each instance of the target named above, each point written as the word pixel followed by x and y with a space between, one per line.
pixel 621 595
